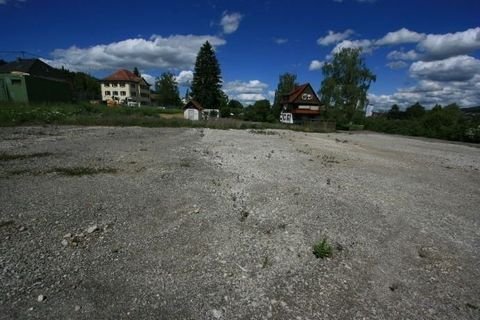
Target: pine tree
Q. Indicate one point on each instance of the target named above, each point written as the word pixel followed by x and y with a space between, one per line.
pixel 207 79
pixel 136 72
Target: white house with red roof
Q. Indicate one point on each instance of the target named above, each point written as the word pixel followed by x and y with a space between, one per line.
pixel 125 87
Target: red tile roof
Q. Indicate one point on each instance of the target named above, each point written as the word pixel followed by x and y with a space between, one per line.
pixel 123 75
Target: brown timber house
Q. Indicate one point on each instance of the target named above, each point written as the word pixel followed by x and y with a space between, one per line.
pixel 301 105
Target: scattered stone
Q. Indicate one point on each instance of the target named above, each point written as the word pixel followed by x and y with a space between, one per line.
pixel 22 228
pixel 217 314
pixel 41 298
pixel 244 215
pixel 77 308
pixel 92 229
pixel 393 287
pixel 68 235
pixel 64 242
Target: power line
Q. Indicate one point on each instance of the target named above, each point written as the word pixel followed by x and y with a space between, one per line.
pixel 22 53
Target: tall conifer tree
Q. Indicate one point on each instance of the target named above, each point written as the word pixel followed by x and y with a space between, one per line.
pixel 207 79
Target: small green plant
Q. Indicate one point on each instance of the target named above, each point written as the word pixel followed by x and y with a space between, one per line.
pixel 322 249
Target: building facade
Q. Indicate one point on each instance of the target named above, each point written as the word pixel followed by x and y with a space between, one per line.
pixel 125 87
pixel 33 81
pixel 301 105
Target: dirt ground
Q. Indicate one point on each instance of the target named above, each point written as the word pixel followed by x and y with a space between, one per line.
pixel 138 223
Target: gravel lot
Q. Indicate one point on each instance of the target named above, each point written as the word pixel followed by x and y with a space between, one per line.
pixel 138 223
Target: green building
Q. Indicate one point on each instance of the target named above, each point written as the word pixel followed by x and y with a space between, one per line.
pixel 32 80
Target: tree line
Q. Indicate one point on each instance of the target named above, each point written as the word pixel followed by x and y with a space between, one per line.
pixel 343 92
pixel 441 122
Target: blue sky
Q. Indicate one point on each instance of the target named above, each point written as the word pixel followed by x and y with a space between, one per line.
pixel 425 51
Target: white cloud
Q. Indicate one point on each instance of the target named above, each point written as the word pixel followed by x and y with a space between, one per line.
pixel 400 36
pixel 249 98
pixel 440 46
pixel 459 68
pixel 246 92
pixel 365 45
pixel 429 93
pixel 184 78
pixel 401 55
pixel 316 65
pixel 280 40
pixel 230 22
pixel 176 51
pixel 397 64
pixel 334 37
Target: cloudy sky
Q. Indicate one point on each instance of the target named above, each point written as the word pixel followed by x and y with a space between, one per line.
pixel 420 50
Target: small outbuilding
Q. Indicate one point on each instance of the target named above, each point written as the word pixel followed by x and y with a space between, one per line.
pixel 193 110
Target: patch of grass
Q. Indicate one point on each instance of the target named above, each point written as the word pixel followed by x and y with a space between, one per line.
pixel 471 306
pixel 82 171
pixel 7 157
pixel 101 115
pixel 185 164
pixel 322 249
pixel 266 262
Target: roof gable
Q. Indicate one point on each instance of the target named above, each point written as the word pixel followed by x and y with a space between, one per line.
pixel 34 67
pixel 193 104
pixel 123 75
pixel 302 94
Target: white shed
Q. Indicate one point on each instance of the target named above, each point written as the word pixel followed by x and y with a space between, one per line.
pixel 192 110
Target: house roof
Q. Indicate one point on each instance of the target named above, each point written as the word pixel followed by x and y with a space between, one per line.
pixel 194 104
pixel 123 75
pixel 20 65
pixel 292 96
pixel 33 67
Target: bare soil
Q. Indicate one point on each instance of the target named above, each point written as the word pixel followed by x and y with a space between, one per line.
pixel 138 223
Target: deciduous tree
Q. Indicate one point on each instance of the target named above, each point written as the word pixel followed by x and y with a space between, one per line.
pixel 345 84
pixel 167 90
pixel 286 84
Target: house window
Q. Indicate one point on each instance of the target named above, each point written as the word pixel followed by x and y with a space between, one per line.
pixel 106 84
pixel 134 94
pixel 133 86
pixel 115 93
pixel 107 93
pixel 123 93
pixel 114 84
pixel 122 85
pixel 16 82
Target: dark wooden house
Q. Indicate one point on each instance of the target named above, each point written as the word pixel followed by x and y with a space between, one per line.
pixel 301 105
